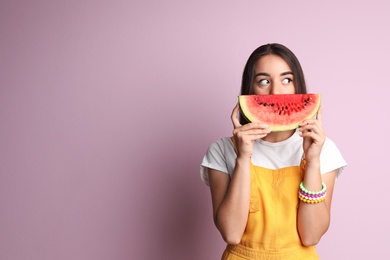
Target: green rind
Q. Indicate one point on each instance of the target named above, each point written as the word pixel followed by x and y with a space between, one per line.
pixel 277 127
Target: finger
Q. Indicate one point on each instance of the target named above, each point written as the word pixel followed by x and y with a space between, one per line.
pixel 254 131
pixel 311 127
pixel 258 136
pixel 250 138
pixel 314 132
pixel 307 126
pixel 310 123
pixel 309 133
pixel 315 126
pixel 254 125
pixel 235 116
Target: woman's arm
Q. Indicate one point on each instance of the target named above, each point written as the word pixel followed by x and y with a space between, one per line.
pixel 314 219
pixel 231 196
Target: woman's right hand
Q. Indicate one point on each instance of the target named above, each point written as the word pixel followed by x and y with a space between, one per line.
pixel 245 135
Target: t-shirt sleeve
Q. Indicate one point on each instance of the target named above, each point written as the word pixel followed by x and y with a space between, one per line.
pixel 331 158
pixel 216 158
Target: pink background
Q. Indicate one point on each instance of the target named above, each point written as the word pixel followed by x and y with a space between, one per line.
pixel 107 107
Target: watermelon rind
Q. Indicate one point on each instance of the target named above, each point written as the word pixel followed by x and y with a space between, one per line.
pixel 280 112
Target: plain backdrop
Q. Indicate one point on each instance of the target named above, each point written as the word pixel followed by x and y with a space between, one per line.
pixel 107 108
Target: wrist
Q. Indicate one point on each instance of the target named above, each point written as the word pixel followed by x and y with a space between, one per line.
pixel 243 166
pixel 313 163
pixel 243 159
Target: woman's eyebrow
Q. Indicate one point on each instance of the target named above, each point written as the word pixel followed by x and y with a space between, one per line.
pixel 262 74
pixel 287 73
pixel 281 74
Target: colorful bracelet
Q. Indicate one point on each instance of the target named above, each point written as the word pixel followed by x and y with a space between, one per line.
pixel 311 196
pixel 311 201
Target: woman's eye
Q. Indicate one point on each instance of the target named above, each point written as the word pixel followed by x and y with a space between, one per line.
pixel 286 80
pixel 264 82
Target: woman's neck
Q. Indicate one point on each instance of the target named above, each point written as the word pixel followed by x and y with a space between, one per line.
pixel 275 137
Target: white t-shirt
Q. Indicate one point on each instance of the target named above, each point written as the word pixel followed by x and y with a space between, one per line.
pixel 221 156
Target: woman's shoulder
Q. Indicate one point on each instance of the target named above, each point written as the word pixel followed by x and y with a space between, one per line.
pixel 222 144
pixel 219 156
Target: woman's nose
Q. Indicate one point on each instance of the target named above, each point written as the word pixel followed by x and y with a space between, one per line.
pixel 275 89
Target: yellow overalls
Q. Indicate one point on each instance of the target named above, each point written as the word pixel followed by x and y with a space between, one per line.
pixel 271 232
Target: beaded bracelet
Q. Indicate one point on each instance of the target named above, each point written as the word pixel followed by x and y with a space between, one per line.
pixel 311 201
pixel 311 196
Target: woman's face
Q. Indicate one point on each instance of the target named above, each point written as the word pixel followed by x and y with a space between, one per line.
pixel 273 76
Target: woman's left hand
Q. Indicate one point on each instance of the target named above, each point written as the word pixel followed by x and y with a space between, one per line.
pixel 313 136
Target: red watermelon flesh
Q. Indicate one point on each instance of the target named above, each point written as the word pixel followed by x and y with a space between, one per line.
pixel 281 112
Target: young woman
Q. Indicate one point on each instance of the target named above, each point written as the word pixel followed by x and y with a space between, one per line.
pixel 261 181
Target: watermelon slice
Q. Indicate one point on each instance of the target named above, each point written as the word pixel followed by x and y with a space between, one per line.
pixel 281 112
